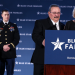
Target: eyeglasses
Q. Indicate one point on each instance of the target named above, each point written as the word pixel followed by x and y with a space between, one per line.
pixel 55 13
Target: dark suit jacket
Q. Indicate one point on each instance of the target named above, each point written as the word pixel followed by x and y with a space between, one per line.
pixel 38 36
pixel 9 34
pixel 70 25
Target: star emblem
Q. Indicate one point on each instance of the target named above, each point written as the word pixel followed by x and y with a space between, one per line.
pixel 58 44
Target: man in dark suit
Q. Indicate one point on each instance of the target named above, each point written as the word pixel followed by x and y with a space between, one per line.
pixel 38 36
pixel 9 38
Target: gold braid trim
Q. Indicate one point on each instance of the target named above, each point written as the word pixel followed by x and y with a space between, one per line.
pixel 0 42
pixel 12 45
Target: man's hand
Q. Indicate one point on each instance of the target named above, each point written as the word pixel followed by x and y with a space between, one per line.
pixel 6 48
pixel 43 43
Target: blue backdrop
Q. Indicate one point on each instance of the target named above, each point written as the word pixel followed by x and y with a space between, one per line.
pixel 25 13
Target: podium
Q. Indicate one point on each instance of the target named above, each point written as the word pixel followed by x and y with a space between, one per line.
pixel 59 52
pixel 59 69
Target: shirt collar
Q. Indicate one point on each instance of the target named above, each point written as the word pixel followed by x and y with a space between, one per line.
pixel 57 23
pixel 6 22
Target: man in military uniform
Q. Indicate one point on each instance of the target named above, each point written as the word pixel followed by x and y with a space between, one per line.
pixel 9 38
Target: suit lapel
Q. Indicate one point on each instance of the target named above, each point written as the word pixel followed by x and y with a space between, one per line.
pixel 59 25
pixel 50 24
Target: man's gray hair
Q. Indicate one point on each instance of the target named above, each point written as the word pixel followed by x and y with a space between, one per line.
pixel 54 5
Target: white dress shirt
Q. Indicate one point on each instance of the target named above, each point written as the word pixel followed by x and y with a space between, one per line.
pixel 57 24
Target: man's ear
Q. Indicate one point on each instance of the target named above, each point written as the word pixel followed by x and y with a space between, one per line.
pixel 48 13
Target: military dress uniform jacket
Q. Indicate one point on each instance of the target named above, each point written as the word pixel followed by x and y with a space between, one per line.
pixel 9 34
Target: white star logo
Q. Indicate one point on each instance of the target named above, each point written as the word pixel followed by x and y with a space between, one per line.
pixel 58 44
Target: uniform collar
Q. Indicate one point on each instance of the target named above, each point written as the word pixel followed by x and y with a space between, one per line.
pixel 6 22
